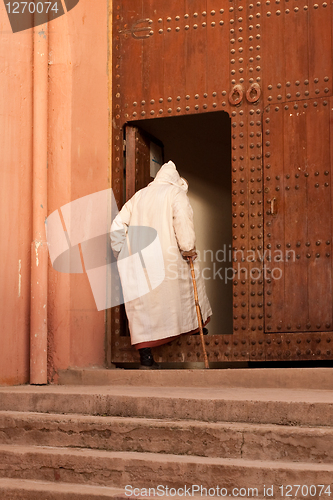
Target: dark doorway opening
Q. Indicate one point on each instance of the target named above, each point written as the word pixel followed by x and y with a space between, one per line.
pixel 200 146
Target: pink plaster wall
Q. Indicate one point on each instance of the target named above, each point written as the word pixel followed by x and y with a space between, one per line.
pixel 78 135
pixel 77 166
pixel 88 23
pixel 15 200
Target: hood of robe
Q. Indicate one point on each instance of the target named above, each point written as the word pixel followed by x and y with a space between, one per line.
pixel 168 174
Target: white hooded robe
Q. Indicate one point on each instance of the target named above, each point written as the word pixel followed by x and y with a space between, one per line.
pixel 169 309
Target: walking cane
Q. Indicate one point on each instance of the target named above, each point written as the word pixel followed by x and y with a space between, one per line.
pixel 197 306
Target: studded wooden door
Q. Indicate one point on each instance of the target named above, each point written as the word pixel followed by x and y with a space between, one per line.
pixel 298 203
pixel 251 59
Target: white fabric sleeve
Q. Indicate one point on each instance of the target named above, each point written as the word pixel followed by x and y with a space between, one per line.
pixel 183 224
pixel 119 227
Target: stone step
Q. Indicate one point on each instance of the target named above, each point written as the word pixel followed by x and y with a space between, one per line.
pixel 264 406
pixel 320 378
pixel 185 437
pixel 24 489
pixel 144 470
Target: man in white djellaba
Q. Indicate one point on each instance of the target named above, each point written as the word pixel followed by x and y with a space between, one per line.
pixel 168 310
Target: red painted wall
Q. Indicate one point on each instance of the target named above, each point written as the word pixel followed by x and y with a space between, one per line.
pixel 77 166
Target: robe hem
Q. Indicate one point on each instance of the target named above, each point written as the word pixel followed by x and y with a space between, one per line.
pixel 156 343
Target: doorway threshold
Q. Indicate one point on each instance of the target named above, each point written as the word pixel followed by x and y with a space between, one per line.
pixel 317 378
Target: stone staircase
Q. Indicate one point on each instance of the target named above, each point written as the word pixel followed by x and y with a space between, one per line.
pixel 89 442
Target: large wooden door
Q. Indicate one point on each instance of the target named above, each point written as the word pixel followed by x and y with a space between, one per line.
pixel 298 205
pixel 269 65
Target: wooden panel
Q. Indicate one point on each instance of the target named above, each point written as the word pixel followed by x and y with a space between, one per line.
pixel 245 71
pixel 255 220
pixel 240 175
pixel 320 48
pixel 183 48
pixel 296 292
pixel 152 66
pixel 298 153
pixel 131 56
pixel 217 77
pixel 273 53
pixel 130 135
pixel 240 214
pixel 116 132
pixel 196 46
pixel 166 51
pixel 142 158
pixel 174 58
pixel 319 215
pixel 297 50
pixel 138 146
pixel 328 243
pixel 117 315
pixel 274 201
pixel 237 347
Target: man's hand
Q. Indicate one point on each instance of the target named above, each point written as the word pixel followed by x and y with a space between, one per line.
pixel 190 254
pixel 115 253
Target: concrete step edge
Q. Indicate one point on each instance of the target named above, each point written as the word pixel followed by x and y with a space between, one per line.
pixel 59 487
pixel 144 470
pixel 9 485
pixel 179 437
pixel 271 406
pixel 176 392
pixel 161 458
pixel 307 378
pixel 160 422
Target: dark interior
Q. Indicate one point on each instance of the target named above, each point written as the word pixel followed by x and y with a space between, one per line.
pixel 200 146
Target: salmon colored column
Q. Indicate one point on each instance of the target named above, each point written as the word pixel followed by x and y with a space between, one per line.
pixel 39 251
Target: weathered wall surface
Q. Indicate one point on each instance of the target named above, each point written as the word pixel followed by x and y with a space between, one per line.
pixel 78 134
pixel 15 200
pixel 77 166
